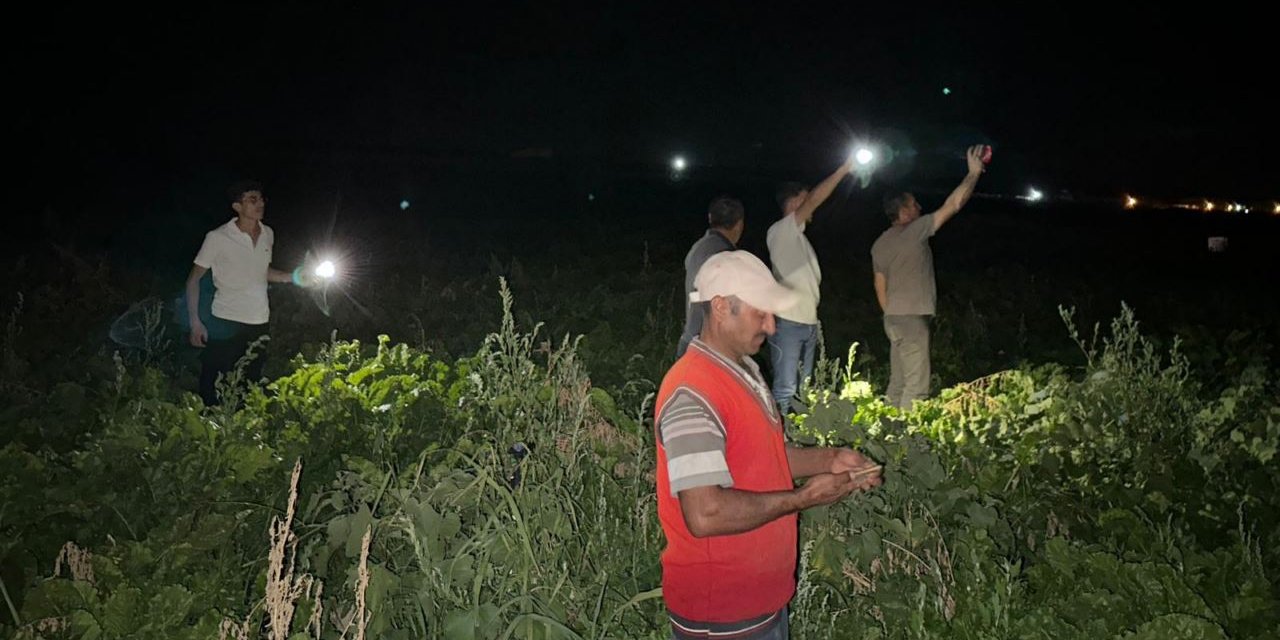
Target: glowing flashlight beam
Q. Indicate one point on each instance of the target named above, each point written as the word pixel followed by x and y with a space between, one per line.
pixel 864 156
pixel 326 269
pixel 678 163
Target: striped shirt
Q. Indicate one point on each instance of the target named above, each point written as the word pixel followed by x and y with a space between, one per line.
pixel 715 423
pixel 693 434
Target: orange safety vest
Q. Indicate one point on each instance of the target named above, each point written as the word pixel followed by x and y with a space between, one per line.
pixel 740 576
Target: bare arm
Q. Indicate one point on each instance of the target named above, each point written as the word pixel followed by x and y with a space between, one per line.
pixel 198 332
pixel 819 193
pixel 958 198
pixel 813 461
pixel 716 511
pixel 882 291
pixel 809 461
pixel 276 275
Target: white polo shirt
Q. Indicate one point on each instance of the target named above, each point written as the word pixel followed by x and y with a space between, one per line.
pixel 796 266
pixel 239 272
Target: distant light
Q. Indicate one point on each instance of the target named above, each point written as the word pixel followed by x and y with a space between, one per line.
pixel 404 204
pixel 1208 206
pixel 1275 208
pixel 591 197
pixel 678 163
pixel 864 156
pixel 946 91
pixel 326 269
pixel 1034 195
pixel 1130 202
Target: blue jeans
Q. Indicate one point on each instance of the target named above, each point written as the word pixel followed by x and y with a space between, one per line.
pixel 791 347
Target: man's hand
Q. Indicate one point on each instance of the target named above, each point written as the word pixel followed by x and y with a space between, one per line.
pixel 973 158
pixel 304 278
pixel 863 471
pixel 199 334
pixel 849 460
pixel 826 488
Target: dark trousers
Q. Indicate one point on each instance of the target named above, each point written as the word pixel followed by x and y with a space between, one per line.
pixel 771 627
pixel 228 342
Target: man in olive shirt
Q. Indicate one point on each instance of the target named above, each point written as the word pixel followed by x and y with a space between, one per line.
pixel 726 219
pixel 905 285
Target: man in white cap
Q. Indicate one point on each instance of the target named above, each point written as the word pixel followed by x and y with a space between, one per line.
pixel 727 498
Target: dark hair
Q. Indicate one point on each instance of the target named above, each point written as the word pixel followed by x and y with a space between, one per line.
pixel 894 201
pixel 241 187
pixel 724 212
pixel 787 191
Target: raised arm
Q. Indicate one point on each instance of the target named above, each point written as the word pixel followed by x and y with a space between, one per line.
pixel 958 198
pixel 820 192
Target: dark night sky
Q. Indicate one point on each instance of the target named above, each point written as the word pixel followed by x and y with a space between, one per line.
pixel 1093 102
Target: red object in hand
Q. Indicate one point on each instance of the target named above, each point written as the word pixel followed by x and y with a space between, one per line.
pixel 986 154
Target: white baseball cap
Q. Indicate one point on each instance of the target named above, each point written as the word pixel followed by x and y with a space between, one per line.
pixel 741 274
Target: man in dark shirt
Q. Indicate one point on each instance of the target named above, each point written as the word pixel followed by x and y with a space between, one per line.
pixel 726 219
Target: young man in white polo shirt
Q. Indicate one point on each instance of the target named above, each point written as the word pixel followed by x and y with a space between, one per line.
pixel 795 265
pixel 239 254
